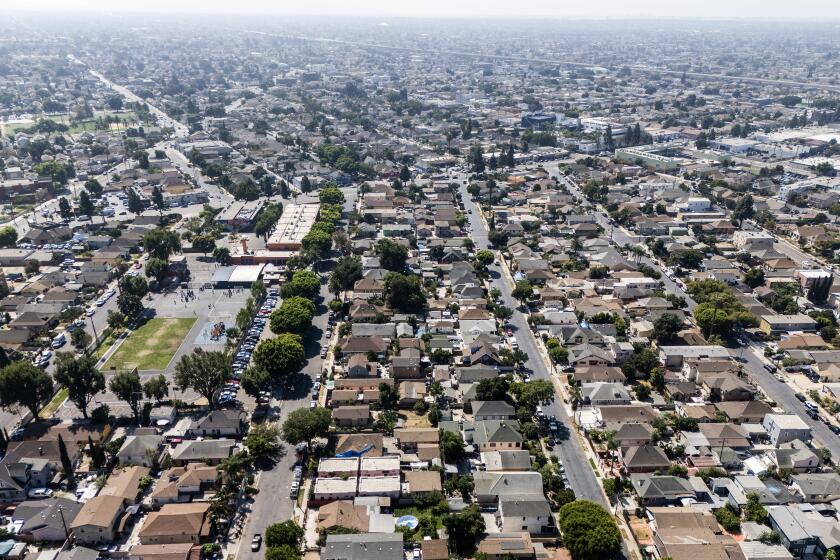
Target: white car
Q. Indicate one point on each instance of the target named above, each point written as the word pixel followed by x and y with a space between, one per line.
pixel 37 493
pixel 90 312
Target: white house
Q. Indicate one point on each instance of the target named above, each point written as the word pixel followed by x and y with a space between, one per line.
pixel 783 428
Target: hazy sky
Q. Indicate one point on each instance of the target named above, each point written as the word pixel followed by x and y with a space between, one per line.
pixel 809 9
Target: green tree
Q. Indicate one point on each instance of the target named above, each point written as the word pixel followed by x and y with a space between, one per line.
pixel 157 388
pixel 331 194
pixel 666 327
pixel 388 397
pixel 464 528
pixel 116 319
pixel 532 394
pixel 26 385
pixel 80 339
pixel 281 356
pixel 284 552
pixel 305 424
pixel 80 377
pixel 728 518
pixel 204 372
pixel 161 243
pixel 204 243
pixel 754 277
pixel 347 271
pixel 8 236
pixel 157 199
pixel 135 203
pixel 288 532
pixel 451 446
pixel 221 255
pixel 85 204
pixel 94 187
pixel 64 208
pixel 66 463
pixel 157 268
pixel 484 256
pixel 404 293
pixel 392 255
pixel 132 291
pixel 754 511
pixel 126 386
pixel 589 531
pixel 318 243
pixel 522 291
pixel 294 315
pixel 262 443
pixel 254 380
pixel 304 283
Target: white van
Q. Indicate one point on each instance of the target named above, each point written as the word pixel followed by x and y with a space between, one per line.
pixel 59 341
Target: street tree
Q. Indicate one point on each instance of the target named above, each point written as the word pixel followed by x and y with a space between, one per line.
pixel 132 291
pixel 254 380
pixel 156 388
pixel 304 283
pixel 80 377
pixel 80 340
pixel 589 531
pixel 305 424
pixel 262 443
pixel 203 371
pixel 24 384
pixel 522 291
pixel 281 356
pixel 347 271
pixel 85 204
pixel 294 315
pixel 94 187
pixel 126 386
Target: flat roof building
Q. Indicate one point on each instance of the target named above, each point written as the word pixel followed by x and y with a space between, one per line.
pixel 292 227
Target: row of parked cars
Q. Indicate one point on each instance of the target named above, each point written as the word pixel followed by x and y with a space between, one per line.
pixel 246 348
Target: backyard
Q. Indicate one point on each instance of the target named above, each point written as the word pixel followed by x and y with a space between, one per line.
pixel 152 345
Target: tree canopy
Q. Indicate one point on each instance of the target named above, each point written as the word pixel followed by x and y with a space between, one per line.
pixel 81 378
pixel 294 315
pixel 304 424
pixel 404 293
pixel 126 386
pixel 204 372
pixel 392 255
pixel 24 384
pixel 281 356
pixel 304 283
pixel 589 531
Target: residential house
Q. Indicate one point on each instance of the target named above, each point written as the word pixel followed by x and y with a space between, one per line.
pixel 140 450
pixel 352 416
pixel 223 422
pixel 177 523
pixel 783 428
pixel 41 520
pixel 98 520
pixel 520 514
pixel 212 451
pixel 645 459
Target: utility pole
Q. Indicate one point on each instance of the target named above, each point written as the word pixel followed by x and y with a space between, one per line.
pixel 63 522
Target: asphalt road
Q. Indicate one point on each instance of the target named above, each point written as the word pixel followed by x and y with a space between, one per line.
pixel 579 471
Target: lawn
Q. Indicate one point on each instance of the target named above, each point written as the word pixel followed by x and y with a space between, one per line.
pixel 152 345
pixel 53 405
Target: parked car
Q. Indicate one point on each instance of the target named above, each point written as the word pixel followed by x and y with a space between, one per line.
pixel 256 542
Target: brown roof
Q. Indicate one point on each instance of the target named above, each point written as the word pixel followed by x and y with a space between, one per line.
pixel 125 483
pixel 176 519
pixel 343 514
pixel 417 435
pixel 176 551
pixel 436 549
pixel 422 481
pixel 99 511
pixel 351 412
pixel 358 442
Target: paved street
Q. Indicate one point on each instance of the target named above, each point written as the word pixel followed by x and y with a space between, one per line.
pixel 581 475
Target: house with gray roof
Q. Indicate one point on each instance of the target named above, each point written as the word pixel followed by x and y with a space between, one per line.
pixel 661 490
pixel 493 410
pixel 364 546
pixel 817 487
pixel 493 486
